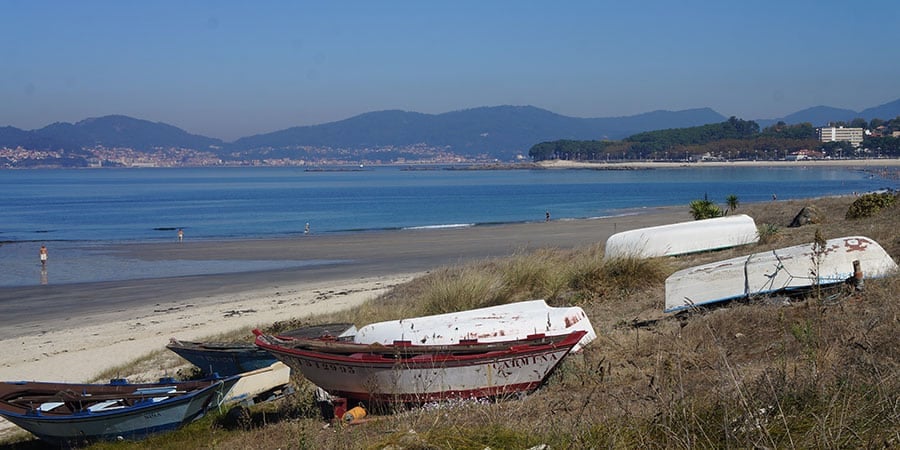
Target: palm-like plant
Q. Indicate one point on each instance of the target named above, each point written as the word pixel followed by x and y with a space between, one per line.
pixel 732 202
pixel 704 209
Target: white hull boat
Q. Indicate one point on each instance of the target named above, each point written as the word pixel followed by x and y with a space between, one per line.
pixel 788 268
pixel 259 384
pixel 402 373
pixel 683 238
pixel 492 324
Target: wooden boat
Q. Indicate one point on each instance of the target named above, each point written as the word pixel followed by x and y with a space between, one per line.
pixel 492 324
pixel 260 385
pixel 776 270
pixel 67 414
pixel 381 377
pixel 232 358
pixel 336 346
pixel 683 238
pixel 223 358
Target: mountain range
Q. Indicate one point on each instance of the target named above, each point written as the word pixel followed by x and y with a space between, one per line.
pixel 498 132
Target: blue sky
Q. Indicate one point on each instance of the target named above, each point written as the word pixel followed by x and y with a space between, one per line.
pixel 231 69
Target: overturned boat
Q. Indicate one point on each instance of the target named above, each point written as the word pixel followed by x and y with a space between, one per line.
pixel 797 267
pixel 491 324
pixel 683 238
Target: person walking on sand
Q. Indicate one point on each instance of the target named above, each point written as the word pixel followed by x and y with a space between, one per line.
pixel 180 235
pixel 43 255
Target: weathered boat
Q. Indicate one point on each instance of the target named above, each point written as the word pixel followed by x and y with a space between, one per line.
pixel 232 358
pixel 797 267
pixel 223 358
pixel 683 238
pixel 260 385
pixel 343 346
pixel 492 324
pixel 67 414
pixel 389 375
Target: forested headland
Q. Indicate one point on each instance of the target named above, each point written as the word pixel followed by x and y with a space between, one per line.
pixel 734 139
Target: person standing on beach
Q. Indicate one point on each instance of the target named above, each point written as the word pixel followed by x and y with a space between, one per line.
pixel 306 229
pixel 547 219
pixel 43 256
pixel 180 235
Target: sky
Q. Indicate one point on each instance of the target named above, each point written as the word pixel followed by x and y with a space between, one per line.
pixel 228 69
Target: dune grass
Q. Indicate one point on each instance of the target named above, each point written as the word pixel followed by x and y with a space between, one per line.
pixel 762 374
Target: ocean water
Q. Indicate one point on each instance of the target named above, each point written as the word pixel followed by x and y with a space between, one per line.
pixel 86 209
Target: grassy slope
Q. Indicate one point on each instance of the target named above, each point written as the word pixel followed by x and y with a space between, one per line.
pixel 760 374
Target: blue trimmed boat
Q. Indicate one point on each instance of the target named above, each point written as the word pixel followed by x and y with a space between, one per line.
pixel 69 414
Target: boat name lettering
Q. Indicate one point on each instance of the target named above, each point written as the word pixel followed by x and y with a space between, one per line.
pixel 525 361
pixel 152 415
pixel 329 367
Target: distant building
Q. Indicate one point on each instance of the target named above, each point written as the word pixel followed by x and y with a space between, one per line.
pixel 804 154
pixel 833 134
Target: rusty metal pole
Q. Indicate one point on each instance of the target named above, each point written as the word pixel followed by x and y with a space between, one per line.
pixel 857 275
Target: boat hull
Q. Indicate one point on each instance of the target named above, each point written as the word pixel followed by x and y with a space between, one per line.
pixel 683 238
pixel 153 415
pixel 232 358
pixel 781 269
pixel 253 384
pixel 492 324
pixel 426 377
pixel 223 359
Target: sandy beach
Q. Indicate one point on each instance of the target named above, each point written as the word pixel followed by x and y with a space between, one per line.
pixel 73 332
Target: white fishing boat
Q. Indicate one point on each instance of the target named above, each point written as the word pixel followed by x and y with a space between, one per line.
pixel 492 324
pixel 405 373
pixel 788 268
pixel 683 237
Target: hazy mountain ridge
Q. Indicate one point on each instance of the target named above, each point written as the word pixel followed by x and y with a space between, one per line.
pixel 821 115
pixel 500 132
pixel 108 131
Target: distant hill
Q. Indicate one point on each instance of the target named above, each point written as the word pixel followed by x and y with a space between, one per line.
pixel 886 111
pixel 501 132
pixel 497 132
pixel 820 116
pixel 109 131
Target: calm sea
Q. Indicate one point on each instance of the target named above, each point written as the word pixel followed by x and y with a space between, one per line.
pixel 85 208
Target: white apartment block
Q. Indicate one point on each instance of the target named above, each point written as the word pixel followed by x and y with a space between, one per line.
pixel 833 134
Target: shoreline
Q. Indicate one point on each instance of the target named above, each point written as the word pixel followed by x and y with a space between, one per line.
pixel 74 332
pixel 849 163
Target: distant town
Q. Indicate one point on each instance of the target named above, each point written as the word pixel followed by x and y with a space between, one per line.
pixel 100 156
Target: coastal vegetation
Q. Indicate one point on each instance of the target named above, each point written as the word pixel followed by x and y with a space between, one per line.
pixel 707 209
pixel 734 139
pixel 821 370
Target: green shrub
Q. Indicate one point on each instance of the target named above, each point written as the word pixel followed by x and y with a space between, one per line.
pixel 705 209
pixel 868 205
pixel 768 233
